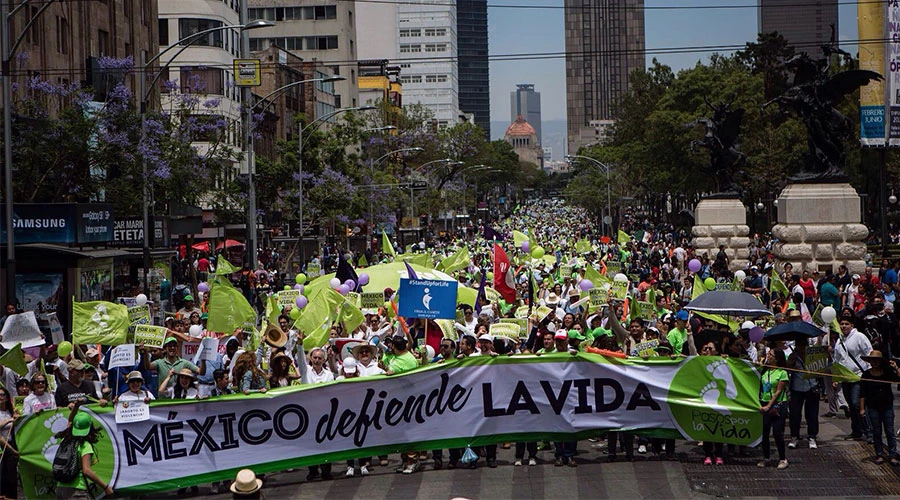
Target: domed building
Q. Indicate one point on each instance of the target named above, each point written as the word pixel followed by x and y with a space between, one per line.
pixel 523 138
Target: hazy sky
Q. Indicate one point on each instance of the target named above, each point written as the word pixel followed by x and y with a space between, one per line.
pixel 529 31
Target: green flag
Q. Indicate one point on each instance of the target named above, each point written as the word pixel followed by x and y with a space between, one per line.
pixel 228 308
pixel 623 237
pixel 225 267
pixel 420 259
pixel 386 247
pixel 594 276
pixel 99 322
pixel 457 261
pixel 350 316
pixel 840 373
pixel 519 238
pixel 634 311
pixel 318 315
pixel 737 285
pixel 273 310
pixel 776 285
pixel 698 288
pixel 14 359
pixel 363 261
pixel 583 246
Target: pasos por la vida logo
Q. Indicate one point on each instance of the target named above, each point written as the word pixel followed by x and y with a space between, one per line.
pixel 715 399
pixel 38 445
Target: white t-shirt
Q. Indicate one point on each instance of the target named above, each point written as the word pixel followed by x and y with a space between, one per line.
pixel 137 396
pixel 34 403
pixel 191 393
pixel 318 378
pixel 372 369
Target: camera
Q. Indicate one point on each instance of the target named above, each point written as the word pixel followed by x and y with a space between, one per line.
pixel 49 367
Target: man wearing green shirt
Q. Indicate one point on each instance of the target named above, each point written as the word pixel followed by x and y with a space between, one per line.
pixel 677 335
pixel 172 361
pixel 403 361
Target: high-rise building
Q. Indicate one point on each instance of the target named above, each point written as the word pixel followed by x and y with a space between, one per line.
pixel 421 39
pixel 526 102
pixel 604 44
pixel 313 30
pixel 805 25
pixel 474 74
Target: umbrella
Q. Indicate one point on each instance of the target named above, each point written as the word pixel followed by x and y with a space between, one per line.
pixel 229 244
pixel 201 247
pixel 729 304
pixel 388 275
pixel 793 330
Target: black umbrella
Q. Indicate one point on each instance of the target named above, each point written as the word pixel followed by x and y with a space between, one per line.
pixel 794 330
pixel 729 303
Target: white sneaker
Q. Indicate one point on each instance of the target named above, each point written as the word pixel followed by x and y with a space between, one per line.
pixel 782 465
pixel 812 444
pixel 350 471
pixel 517 463
pixel 642 449
pixel 793 443
pixel 411 468
pixel 532 462
pixel 363 471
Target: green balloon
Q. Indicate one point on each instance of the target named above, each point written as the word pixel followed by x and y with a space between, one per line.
pixel 64 348
pixel 300 278
pixel 709 283
pixel 538 252
pixel 490 276
pixel 295 313
pixel 287 287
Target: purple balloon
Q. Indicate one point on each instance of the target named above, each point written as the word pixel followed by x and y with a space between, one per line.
pixel 694 265
pixel 301 302
pixel 585 285
pixel 203 287
pixel 298 287
pixel 350 284
pixel 756 334
pixel 363 279
pixel 343 289
pixel 526 247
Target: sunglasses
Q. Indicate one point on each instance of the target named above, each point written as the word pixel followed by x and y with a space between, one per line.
pixel 40 382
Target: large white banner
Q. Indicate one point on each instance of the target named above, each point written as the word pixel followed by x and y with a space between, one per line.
pixel 472 402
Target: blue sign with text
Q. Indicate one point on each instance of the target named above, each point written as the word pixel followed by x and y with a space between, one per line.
pixel 430 299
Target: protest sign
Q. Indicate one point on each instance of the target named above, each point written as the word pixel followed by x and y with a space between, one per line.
pixel 151 336
pixel 613 267
pixel 122 355
pixel 371 300
pixel 288 298
pixel 21 329
pixel 128 412
pixel 423 298
pixel 634 278
pixel 522 323
pixel 139 315
pixel 313 271
pixel 355 299
pixel 647 349
pixel 521 311
pixel 541 312
pixel 816 361
pixel 208 350
pixel 618 290
pixel 56 330
pixel 598 296
pixel 565 272
pixel 510 330
pixel 472 402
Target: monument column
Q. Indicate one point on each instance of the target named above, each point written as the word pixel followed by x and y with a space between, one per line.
pixel 722 220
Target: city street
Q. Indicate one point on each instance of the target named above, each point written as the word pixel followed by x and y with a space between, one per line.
pixel 837 469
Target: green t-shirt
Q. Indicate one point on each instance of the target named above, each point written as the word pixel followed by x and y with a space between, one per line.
pixel 163 367
pixel 769 383
pixel 545 351
pixel 403 363
pixel 78 483
pixel 676 339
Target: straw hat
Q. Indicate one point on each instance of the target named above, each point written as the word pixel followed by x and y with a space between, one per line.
pixel 246 483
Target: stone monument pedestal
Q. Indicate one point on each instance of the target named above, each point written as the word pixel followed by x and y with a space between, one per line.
pixel 722 221
pixel 819 227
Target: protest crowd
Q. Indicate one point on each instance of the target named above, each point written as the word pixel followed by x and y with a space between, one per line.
pixel 572 289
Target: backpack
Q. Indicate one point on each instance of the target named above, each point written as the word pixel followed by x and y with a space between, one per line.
pixel 66 462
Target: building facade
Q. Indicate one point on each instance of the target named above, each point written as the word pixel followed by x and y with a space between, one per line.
pixel 316 31
pixel 805 25
pixel 526 102
pixel 474 71
pixel 62 44
pixel 523 138
pixel 604 44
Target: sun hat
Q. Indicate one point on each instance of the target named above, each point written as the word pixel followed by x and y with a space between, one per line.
pixel 134 375
pixel 246 483
pixel 876 354
pixel 552 299
pixel 359 348
pixel 81 424
pixel 187 373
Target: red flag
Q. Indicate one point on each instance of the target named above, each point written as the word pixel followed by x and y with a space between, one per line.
pixel 504 281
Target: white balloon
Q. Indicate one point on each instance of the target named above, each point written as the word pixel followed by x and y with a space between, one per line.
pixel 828 314
pixel 195 331
pixel 740 275
pixel 141 299
pixel 335 283
pixel 621 277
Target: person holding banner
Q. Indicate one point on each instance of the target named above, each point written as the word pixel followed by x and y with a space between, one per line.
pixel 76 390
pixel 184 388
pixel 39 400
pixel 136 391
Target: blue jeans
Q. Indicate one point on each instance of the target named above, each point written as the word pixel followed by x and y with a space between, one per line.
pixel 883 419
pixel 859 425
pixel 565 450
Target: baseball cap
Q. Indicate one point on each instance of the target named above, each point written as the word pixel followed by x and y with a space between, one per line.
pixel 746 325
pixel 487 336
pixel 188 297
pixel 75 364
pixel 349 365
pixel 855 276
pixel 575 334
pixel 561 335
pixel 170 340
pixel 682 315
pixel 81 424
pixel 90 353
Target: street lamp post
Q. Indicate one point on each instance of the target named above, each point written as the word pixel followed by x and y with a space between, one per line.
pixel 144 94
pixel 300 130
pixel 372 176
pixel 598 163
